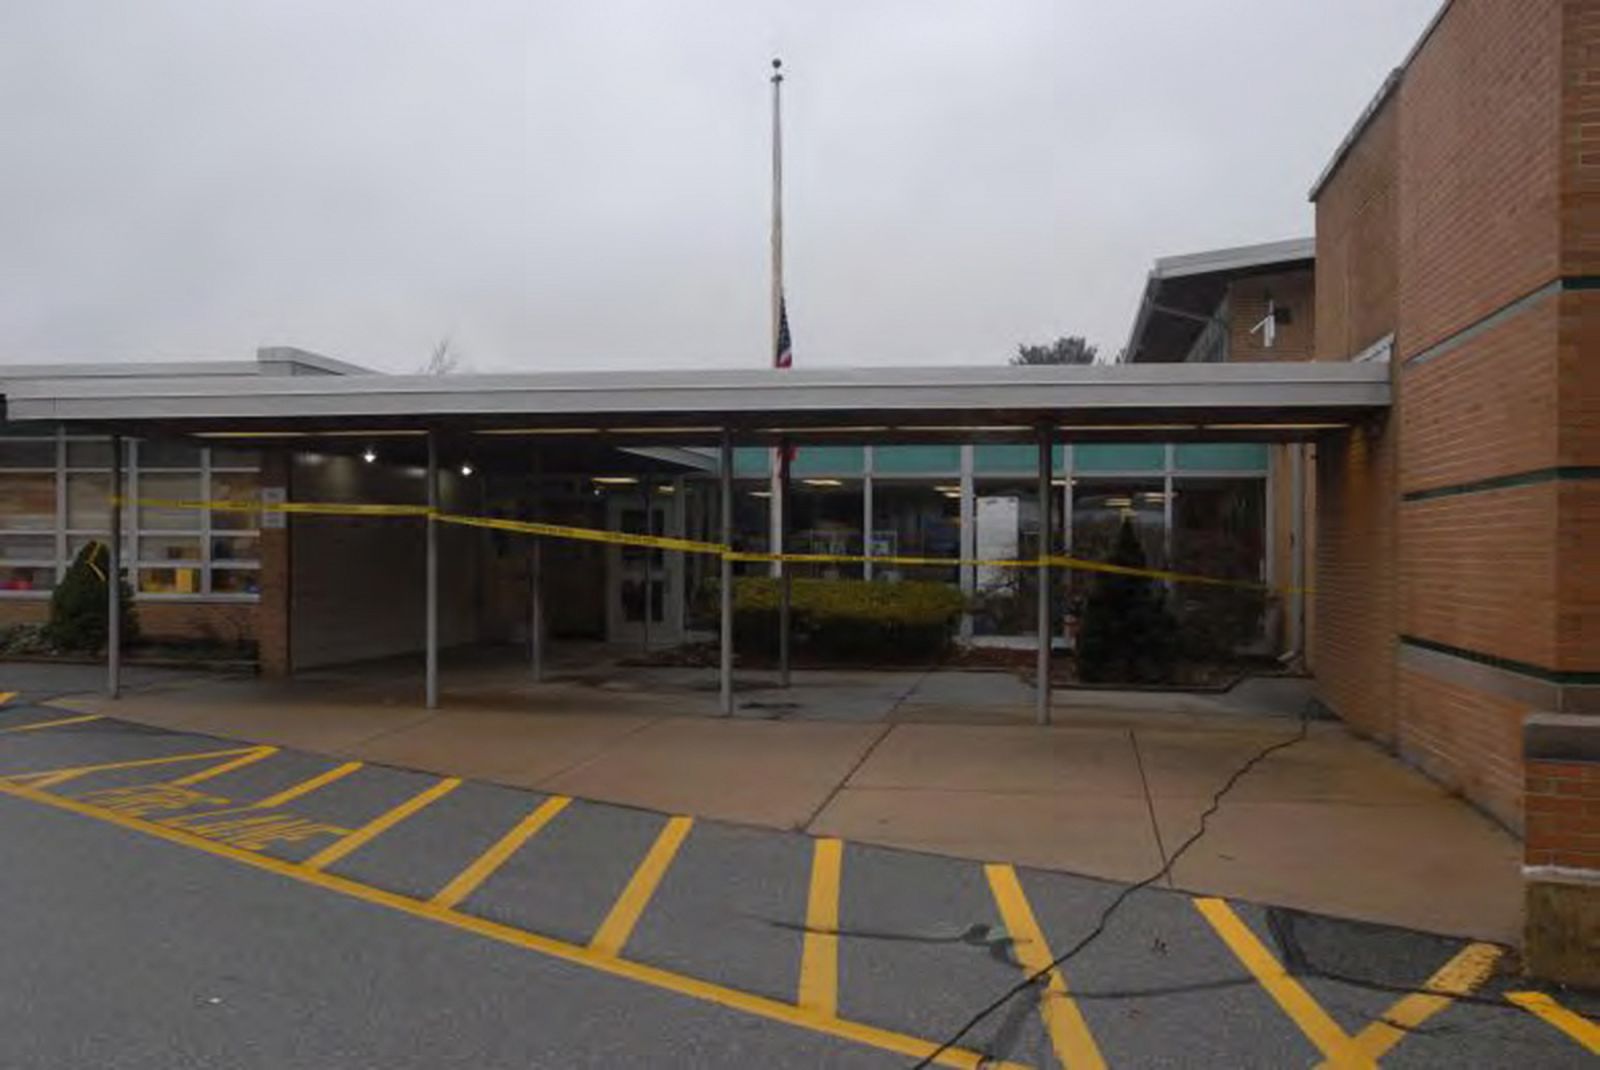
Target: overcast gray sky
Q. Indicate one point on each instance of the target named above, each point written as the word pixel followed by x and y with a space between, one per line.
pixel 581 185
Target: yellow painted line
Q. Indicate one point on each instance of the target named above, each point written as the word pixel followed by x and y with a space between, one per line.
pixel 1468 969
pixel 613 933
pixel 306 787
pixel 226 767
pixel 467 881
pixel 56 776
pixel 7 696
pixel 1337 1046
pixel 1069 1034
pixel 819 958
pixel 381 824
pixel 52 724
pixel 1574 1025
pixel 706 991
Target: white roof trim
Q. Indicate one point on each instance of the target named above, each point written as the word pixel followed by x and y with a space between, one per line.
pixel 967 396
pixel 1237 258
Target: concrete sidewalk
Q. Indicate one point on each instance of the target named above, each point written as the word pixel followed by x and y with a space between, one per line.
pixel 1331 824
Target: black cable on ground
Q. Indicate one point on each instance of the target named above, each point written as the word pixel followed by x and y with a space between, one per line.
pixel 1041 975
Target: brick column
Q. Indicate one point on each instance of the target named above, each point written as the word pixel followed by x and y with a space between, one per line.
pixel 1561 860
pixel 272 615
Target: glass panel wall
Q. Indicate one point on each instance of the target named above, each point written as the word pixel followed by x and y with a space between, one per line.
pixel 1101 504
pixel 752 522
pixel 54 501
pixel 825 514
pixel 1006 527
pixel 916 519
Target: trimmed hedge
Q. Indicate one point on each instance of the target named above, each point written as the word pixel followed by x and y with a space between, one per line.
pixel 78 604
pixel 848 620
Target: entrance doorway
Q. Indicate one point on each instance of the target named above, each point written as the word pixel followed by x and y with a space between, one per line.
pixel 644 602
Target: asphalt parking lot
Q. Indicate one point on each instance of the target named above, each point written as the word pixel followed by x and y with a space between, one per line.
pixel 539 930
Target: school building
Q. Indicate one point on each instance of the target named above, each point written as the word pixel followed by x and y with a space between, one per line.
pixel 1402 414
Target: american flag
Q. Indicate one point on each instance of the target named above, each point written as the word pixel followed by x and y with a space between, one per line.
pixel 783 359
pixel 784 356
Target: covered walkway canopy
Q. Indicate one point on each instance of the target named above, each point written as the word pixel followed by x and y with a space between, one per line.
pixel 508 418
pixel 1170 402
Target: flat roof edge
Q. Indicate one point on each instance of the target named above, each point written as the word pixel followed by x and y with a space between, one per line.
pixel 1234 258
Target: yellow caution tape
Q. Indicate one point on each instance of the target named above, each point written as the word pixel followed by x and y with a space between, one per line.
pixel 306 508
pixel 693 546
pixel 562 531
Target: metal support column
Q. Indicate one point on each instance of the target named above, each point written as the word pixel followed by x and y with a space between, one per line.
pixel 649 556
pixel 114 577
pixel 536 578
pixel 725 587
pixel 967 541
pixel 868 463
pixel 1042 665
pixel 785 573
pixel 1297 548
pixel 431 637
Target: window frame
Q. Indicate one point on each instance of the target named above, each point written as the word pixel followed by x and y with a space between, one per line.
pixel 133 534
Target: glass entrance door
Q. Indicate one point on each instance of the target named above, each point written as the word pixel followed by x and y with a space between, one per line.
pixel 645 600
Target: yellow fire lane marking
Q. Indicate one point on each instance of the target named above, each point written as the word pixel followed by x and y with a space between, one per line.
pixel 1336 1046
pixel 1469 968
pixel 1574 1025
pixel 1069 1034
pixel 613 933
pixel 748 1002
pixel 306 787
pixel 84 719
pixel 381 824
pixel 226 767
pixel 819 957
pixel 468 880
pixel 51 777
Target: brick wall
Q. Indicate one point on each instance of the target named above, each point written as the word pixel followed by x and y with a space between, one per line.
pixel 1354 638
pixel 1478 572
pixel 357 583
pixel 1358 234
pixel 272 613
pixel 1292 291
pixel 1563 814
pixel 1479 161
pixel 1486 408
pixel 1354 611
pixel 1465 738
pixel 165 619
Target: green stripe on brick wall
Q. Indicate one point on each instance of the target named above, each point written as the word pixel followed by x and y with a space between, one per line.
pixel 1515 479
pixel 1523 668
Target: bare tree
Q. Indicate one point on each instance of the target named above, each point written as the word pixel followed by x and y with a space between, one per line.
pixel 1071 349
pixel 443 360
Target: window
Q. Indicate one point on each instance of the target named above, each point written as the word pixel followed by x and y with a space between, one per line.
pixel 825 518
pixel 1006 519
pixel 54 501
pixel 916 519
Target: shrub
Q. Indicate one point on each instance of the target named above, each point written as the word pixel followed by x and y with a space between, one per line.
pixel 850 620
pixel 78 604
pixel 1127 635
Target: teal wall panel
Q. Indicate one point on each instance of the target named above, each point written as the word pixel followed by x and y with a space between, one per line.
pixel 1119 457
pixel 1222 456
pixel 917 460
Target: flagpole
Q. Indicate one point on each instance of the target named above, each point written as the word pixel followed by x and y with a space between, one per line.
pixel 775 500
pixel 780 469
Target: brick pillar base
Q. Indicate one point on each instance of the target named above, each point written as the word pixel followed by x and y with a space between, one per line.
pixel 1561 862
